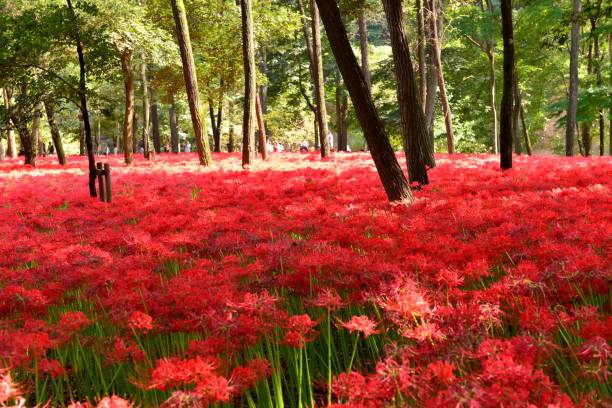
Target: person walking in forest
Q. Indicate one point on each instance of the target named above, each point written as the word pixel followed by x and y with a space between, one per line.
pixel 187 147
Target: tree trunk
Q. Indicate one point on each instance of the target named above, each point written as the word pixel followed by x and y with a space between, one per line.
pixel 191 81
pixel 316 130
pixel 570 128
pixel 525 129
pixel 250 85
pixel 82 147
pixel 231 142
pixel 432 84
pixel 83 107
pixel 55 133
pixel 421 43
pixel 319 81
pixel 414 129
pixel 505 133
pixel 389 170
pixel 135 142
pixel 174 136
pixel 516 111
pixel 2 151
pixel 11 146
pixel 215 122
pixel 363 46
pixel 493 84
pixel 261 127
pixel 263 88
pixel 436 46
pixel 146 109
pixel 128 119
pixel 155 124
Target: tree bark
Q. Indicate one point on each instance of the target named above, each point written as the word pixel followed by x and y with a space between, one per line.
pixel 191 81
pixel 526 138
pixel 174 136
pixel 215 122
pixel 250 85
pixel 55 133
pixel 505 133
pixel 363 46
pixel 230 142
pixel 394 182
pixel 146 109
pixel 432 82
pixel 135 142
pixel 341 113
pixel 436 45
pixel 82 147
pixel 516 111
pixel 11 146
pixel 2 151
pixel 414 129
pixel 261 127
pixel 263 88
pixel 492 81
pixel 421 43
pixel 319 81
pixel 570 128
pixel 83 107
pixel 128 119
pixel 155 124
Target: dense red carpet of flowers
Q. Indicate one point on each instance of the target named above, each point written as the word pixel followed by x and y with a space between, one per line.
pixel 482 289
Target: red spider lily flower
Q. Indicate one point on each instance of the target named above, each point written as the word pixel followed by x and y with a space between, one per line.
pixel 596 353
pixel 73 321
pixel 8 389
pixel 329 299
pixel 246 376
pixel 52 367
pixel 114 402
pixel 140 321
pixel 361 324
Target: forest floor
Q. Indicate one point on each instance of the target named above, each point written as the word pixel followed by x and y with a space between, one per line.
pixel 256 288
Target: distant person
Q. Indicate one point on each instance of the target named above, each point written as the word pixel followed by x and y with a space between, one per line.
pixel 304 147
pixel 51 148
pixel 42 149
pixel 115 149
pixel 330 140
pixel 187 147
pixel 280 147
pixel 106 150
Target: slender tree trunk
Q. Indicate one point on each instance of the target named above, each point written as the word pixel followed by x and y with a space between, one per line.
pixel 230 143
pixel 55 133
pixel 319 82
pixel 2 151
pixel 261 127
pixel 82 147
pixel 216 122
pixel 432 81
pixel 493 84
pixel 174 136
pixel 437 44
pixel 573 91
pixel 250 85
pixel 116 136
pixel 414 129
pixel 128 118
pixel 505 133
pixel 83 107
pixel 526 138
pixel 316 131
pixel 341 147
pixel 191 81
pixel 11 144
pixel 389 170
pixel 312 68
pixel 146 109
pixel 421 44
pixel 135 142
pixel 263 88
pixel 516 111
pixel 155 124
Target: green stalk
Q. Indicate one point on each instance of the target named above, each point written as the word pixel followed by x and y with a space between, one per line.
pixel 353 355
pixel 329 368
pixel 300 376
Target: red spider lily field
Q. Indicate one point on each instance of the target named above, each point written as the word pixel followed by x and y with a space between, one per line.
pixel 296 284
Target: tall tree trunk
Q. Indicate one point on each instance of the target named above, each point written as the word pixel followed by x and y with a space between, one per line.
pixel 135 142
pixel 516 111
pixel 215 122
pixel 146 108
pixel 432 80
pixel 570 128
pixel 10 135
pixel 155 124
pixel 82 147
pixel 230 143
pixel 191 81
pixel 261 127
pixel 174 136
pixel 526 138
pixel 414 129
pixel 505 133
pixel 319 81
pixel 311 66
pixel 128 118
pixel 394 182
pixel 83 103
pixel 263 88
pixel 493 105
pixel 2 151
pixel 28 144
pixel 316 131
pixel 55 133
pixel 421 44
pixel 341 108
pixel 363 46
pixel 436 48
pixel 250 85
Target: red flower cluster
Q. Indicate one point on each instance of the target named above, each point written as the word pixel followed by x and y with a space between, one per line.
pixel 489 279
